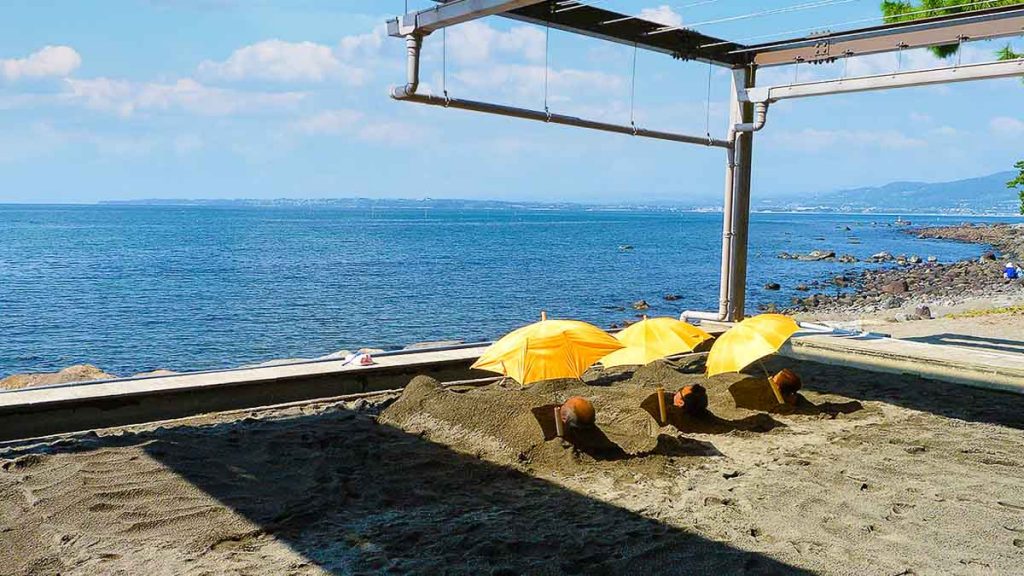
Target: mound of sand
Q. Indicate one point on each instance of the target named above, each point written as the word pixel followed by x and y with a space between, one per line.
pixel 76 373
pixel 506 423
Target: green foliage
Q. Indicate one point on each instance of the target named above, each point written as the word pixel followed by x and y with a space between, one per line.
pixel 1007 53
pixel 906 10
pixel 1018 183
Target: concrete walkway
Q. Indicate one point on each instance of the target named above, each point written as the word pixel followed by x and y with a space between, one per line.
pixel 982 368
pixel 39 411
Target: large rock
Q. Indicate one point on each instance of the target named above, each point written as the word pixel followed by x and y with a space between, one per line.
pixel 641 305
pixel 897 287
pixel 816 255
pixel 76 373
pixel 772 286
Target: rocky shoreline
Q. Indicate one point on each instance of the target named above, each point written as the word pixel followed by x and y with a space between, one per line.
pixel 914 286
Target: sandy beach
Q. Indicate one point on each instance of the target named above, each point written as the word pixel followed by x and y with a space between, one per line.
pixel 870 474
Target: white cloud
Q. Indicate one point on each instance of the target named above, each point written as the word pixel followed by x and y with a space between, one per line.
pixel 187 95
pixel 812 140
pixel 279 61
pixel 359 46
pixel 276 60
pixel 663 14
pixel 49 61
pixel 526 81
pixel 476 43
pixel 1007 126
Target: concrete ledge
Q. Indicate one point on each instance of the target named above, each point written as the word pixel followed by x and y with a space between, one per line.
pixel 43 411
pixel 973 367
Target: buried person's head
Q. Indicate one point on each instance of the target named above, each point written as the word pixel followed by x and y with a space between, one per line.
pixel 692 398
pixel 577 412
pixel 786 383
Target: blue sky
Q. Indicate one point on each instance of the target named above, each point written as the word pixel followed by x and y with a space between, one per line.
pixel 126 99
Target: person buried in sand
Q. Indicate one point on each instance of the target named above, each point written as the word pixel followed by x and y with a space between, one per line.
pixel 786 384
pixel 577 412
pixel 693 399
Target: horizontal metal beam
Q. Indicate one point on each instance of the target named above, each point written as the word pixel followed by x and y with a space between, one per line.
pixel 986 71
pixel 941 30
pixel 542 116
pixel 596 22
pixel 451 13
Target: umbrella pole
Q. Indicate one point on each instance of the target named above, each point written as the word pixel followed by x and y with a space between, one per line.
pixel 771 383
pixel 662 410
pixel 559 427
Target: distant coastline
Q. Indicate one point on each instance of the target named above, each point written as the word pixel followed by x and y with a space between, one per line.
pixel 499 205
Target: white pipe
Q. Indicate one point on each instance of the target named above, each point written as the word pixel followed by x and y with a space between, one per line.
pixel 696 315
pixel 413 43
pixel 760 118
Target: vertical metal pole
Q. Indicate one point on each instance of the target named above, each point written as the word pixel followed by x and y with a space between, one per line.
pixel 741 199
pixel 735 116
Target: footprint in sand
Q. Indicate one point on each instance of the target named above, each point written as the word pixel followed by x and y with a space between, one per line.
pixel 898 509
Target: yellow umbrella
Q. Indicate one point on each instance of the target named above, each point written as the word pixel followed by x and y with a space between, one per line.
pixel 749 341
pixel 547 349
pixel 653 339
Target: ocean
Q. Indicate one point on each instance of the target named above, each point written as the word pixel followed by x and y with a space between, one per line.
pixel 136 288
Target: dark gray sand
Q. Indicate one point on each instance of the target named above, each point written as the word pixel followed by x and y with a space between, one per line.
pixel 882 474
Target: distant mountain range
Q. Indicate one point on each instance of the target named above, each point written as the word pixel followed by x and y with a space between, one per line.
pixel 983 195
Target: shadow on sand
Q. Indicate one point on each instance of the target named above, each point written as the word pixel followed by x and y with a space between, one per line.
pixel 941 398
pixel 596 444
pixel 708 422
pixel 355 497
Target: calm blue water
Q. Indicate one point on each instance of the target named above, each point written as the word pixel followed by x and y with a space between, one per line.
pixel 139 288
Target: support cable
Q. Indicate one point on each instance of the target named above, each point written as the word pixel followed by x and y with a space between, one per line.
pixel 632 91
pixel 707 105
pixel 761 14
pixel 547 36
pixel 444 63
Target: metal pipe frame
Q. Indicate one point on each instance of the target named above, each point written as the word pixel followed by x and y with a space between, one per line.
pixel 542 116
pixel 748 112
pixel 740 173
pixel 597 22
pixel 940 30
pixel 408 93
pixel 963 73
pixel 451 13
